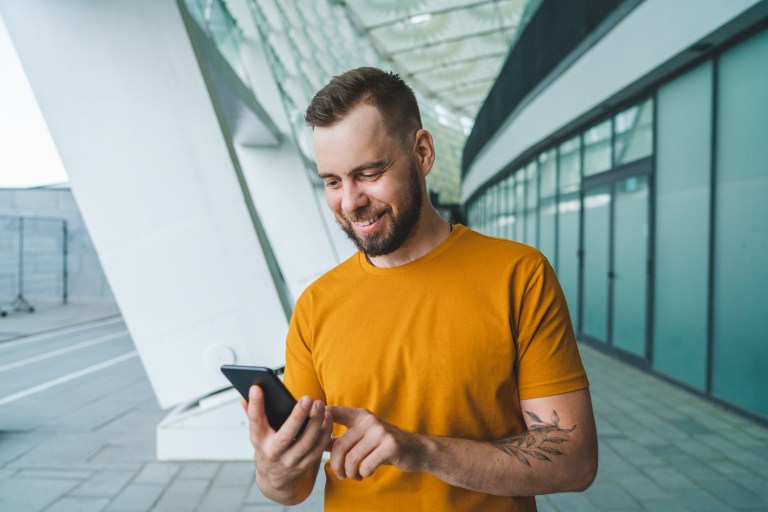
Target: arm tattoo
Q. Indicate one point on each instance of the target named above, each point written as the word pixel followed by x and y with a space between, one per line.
pixel 539 442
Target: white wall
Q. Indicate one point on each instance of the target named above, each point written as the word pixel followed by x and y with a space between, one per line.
pixel 645 39
pixel 122 93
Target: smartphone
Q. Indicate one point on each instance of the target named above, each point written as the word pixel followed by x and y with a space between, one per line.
pixel 278 401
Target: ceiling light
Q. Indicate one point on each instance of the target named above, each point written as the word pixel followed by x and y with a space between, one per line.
pixel 418 19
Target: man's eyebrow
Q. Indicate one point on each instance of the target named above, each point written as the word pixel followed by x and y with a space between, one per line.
pixel 378 164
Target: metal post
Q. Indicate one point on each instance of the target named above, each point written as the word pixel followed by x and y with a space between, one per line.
pixel 21 257
pixel 64 252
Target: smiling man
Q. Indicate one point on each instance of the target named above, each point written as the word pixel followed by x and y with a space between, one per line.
pixel 445 358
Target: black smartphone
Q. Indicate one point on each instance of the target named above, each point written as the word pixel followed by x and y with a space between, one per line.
pixel 278 401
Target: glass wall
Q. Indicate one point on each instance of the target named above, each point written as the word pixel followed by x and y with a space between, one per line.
pixel 569 222
pixel 681 282
pixel 548 204
pixel 740 356
pixel 664 245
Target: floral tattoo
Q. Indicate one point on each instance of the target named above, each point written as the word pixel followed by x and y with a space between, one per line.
pixel 540 442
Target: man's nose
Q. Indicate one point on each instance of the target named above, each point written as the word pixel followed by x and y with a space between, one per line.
pixel 353 199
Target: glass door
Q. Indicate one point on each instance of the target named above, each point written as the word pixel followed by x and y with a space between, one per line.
pixel 615 266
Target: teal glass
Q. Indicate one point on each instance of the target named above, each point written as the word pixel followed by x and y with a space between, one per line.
pixel 569 161
pixel 633 130
pixel 509 211
pixel 568 208
pixel 531 204
pixel 597 202
pixel 740 353
pixel 597 148
pixel 569 222
pixel 630 265
pixel 548 205
pixel 681 277
pixel 520 205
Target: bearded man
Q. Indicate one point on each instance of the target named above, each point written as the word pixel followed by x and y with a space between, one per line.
pixel 437 365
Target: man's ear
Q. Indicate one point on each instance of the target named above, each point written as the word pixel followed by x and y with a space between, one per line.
pixel 424 149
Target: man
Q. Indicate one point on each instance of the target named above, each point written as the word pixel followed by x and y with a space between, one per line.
pixel 446 358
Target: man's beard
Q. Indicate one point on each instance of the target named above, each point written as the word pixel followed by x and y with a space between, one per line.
pixel 401 227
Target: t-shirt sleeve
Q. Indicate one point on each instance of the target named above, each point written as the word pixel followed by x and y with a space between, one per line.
pixel 548 360
pixel 300 374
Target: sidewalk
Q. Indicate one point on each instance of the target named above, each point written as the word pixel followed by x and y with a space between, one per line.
pixel 661 448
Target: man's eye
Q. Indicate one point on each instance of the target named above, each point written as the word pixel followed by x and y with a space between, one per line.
pixel 331 183
pixel 371 176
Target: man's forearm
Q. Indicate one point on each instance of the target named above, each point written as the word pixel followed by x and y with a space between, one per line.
pixel 547 458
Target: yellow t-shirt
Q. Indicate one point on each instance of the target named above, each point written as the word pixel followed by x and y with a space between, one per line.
pixel 446 345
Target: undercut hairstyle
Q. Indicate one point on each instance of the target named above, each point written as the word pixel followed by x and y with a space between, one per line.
pixel 391 96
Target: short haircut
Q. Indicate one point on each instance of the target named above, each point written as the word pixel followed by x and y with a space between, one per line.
pixel 393 98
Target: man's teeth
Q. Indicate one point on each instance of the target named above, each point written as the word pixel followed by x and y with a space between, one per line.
pixel 364 223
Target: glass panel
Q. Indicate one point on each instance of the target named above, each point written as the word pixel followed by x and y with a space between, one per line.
pixel 630 265
pixel 634 133
pixel 531 203
pixel 570 165
pixel 498 210
pixel 568 251
pixel 548 171
pixel 509 212
pixel 548 206
pixel 597 148
pixel 597 202
pixel 520 205
pixel 682 229
pixel 547 228
pixel 740 355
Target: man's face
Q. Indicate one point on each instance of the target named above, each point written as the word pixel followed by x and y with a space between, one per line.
pixel 372 183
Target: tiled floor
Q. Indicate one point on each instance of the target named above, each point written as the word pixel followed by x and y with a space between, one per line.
pixel 89 444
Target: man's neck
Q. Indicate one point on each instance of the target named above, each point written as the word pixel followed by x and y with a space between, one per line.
pixel 431 231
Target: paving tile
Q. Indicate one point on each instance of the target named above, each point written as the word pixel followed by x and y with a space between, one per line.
pixel 196 470
pixel 32 494
pixel 78 504
pixel 611 497
pixel 136 498
pixel 734 495
pixel 157 473
pixel 66 474
pixel 182 495
pixel 221 498
pixel 235 473
pixel 104 483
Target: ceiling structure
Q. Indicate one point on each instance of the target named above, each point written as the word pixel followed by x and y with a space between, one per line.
pixel 449 51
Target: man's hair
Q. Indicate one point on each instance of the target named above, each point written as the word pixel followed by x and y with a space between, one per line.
pixel 387 92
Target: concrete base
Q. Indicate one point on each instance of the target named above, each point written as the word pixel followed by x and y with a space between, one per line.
pixel 211 428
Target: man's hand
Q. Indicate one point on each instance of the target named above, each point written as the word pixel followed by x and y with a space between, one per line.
pixel 370 442
pixel 286 467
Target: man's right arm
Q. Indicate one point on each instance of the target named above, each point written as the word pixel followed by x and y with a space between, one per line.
pixel 286 467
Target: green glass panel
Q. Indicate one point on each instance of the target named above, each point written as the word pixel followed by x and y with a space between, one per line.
pixel 570 165
pixel 568 251
pixel 597 148
pixel 634 133
pixel 682 227
pixel 547 212
pixel 531 203
pixel 630 264
pixel 520 205
pixel 740 355
pixel 597 203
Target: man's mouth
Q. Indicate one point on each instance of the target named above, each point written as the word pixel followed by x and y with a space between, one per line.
pixel 367 222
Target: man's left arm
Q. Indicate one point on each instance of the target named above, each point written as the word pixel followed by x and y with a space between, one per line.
pixel 557 453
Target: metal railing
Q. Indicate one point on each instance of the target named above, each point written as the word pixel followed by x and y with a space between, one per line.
pixel 33 262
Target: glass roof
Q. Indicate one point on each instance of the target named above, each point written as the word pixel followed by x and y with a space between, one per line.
pixel 449 51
